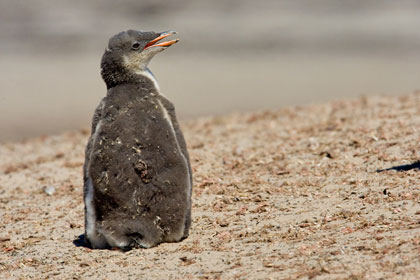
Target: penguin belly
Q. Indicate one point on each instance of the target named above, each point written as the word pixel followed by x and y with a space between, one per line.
pixel 140 181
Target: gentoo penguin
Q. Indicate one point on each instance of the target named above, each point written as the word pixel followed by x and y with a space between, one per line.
pixel 137 174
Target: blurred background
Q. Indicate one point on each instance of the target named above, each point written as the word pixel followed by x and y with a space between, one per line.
pixel 237 55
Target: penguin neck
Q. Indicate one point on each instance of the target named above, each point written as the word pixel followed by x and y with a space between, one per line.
pixel 149 75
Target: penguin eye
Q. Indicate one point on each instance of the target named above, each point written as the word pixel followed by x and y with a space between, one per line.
pixel 135 46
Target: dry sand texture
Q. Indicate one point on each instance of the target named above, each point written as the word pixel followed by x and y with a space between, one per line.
pixel 286 194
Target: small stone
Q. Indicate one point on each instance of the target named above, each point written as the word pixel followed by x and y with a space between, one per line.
pixel 49 190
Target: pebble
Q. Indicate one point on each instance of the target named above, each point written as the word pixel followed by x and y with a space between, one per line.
pixel 49 190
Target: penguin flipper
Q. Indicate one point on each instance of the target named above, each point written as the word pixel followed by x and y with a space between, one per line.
pixel 183 145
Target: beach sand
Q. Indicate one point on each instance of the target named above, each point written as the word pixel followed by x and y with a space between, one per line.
pixel 283 194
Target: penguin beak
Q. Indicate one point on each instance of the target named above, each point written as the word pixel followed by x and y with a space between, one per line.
pixel 154 42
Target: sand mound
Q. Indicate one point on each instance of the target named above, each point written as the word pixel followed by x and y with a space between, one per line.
pixel 277 194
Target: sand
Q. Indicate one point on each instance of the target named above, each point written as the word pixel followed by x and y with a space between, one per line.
pixel 283 194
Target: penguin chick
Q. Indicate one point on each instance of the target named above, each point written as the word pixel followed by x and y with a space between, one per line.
pixel 137 174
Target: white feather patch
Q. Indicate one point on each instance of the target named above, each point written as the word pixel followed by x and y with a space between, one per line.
pixel 149 75
pixel 96 240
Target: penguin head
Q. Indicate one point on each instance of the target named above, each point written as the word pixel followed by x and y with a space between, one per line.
pixel 129 52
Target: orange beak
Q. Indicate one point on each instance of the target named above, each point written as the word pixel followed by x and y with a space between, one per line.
pixel 163 44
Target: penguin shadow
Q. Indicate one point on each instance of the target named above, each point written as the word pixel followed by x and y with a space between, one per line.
pixel 405 167
pixel 80 242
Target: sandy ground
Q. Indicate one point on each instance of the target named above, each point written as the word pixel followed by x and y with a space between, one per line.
pixel 286 194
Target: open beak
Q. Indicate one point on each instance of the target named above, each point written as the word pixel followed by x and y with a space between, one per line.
pixel 154 42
